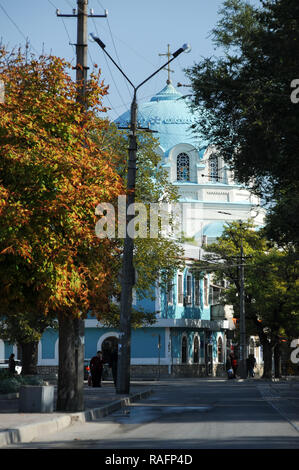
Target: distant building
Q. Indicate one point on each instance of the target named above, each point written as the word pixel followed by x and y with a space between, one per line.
pixel 190 336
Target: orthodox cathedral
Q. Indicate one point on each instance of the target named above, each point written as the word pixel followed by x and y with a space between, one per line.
pixel 193 333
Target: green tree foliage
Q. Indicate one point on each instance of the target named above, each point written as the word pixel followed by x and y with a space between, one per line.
pixel 54 172
pixel 52 176
pixel 271 284
pixel 244 96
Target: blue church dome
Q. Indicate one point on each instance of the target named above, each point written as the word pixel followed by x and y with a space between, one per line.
pixel 169 113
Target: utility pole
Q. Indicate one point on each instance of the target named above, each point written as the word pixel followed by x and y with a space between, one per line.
pixel 81 50
pixel 243 343
pixel 73 392
pixel 82 15
pixel 128 271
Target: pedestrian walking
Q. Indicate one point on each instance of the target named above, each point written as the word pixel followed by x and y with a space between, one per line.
pixel 228 368
pixel 12 364
pixel 96 369
pixel 113 364
pixel 250 361
pixel 234 362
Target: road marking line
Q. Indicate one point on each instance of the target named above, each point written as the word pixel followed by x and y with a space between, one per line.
pixel 271 397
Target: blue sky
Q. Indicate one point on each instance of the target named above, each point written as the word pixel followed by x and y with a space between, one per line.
pixel 135 32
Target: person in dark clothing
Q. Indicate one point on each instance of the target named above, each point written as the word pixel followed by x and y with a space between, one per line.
pixel 229 367
pixel 96 369
pixel 113 364
pixel 234 363
pixel 12 364
pixel 250 361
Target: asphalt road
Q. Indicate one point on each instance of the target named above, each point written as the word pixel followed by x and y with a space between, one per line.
pixel 193 414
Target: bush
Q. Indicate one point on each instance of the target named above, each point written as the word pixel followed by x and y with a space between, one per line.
pixel 4 374
pixel 9 384
pixel 31 380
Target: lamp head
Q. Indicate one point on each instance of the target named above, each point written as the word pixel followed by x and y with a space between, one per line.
pixel 94 38
pixel 186 48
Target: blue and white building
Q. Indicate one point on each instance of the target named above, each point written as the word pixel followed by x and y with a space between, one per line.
pixel 189 337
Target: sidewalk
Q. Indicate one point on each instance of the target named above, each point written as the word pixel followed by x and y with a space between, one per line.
pixel 99 402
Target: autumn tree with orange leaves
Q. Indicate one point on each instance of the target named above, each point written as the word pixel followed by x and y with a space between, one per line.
pixel 52 176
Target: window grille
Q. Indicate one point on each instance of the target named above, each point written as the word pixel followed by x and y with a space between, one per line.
pixel 220 350
pixel 197 292
pixel 180 289
pixel 196 350
pixel 170 293
pixel 213 168
pixel 206 291
pixel 189 282
pixel 183 167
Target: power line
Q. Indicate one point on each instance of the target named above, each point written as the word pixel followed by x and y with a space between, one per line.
pixel 17 27
pixel 112 109
pixel 125 105
pixel 116 53
pixel 106 96
pixel 119 62
pixel 66 30
pixel 69 3
pixel 128 46
pixel 89 54
pixel 108 66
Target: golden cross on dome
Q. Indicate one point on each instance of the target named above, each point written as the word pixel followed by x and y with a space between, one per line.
pixel 169 54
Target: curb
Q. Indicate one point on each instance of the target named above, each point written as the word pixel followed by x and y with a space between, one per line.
pixel 28 432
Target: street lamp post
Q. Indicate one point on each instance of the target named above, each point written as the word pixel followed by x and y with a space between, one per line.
pixel 128 272
pixel 243 343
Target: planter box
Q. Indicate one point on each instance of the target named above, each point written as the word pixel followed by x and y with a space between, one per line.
pixel 36 399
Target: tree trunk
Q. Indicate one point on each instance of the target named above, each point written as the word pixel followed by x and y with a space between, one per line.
pixel 71 365
pixel 29 355
pixel 277 361
pixel 267 356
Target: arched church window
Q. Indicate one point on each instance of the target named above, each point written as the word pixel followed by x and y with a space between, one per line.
pixel 108 345
pixel 220 350
pixel 213 168
pixel 183 167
